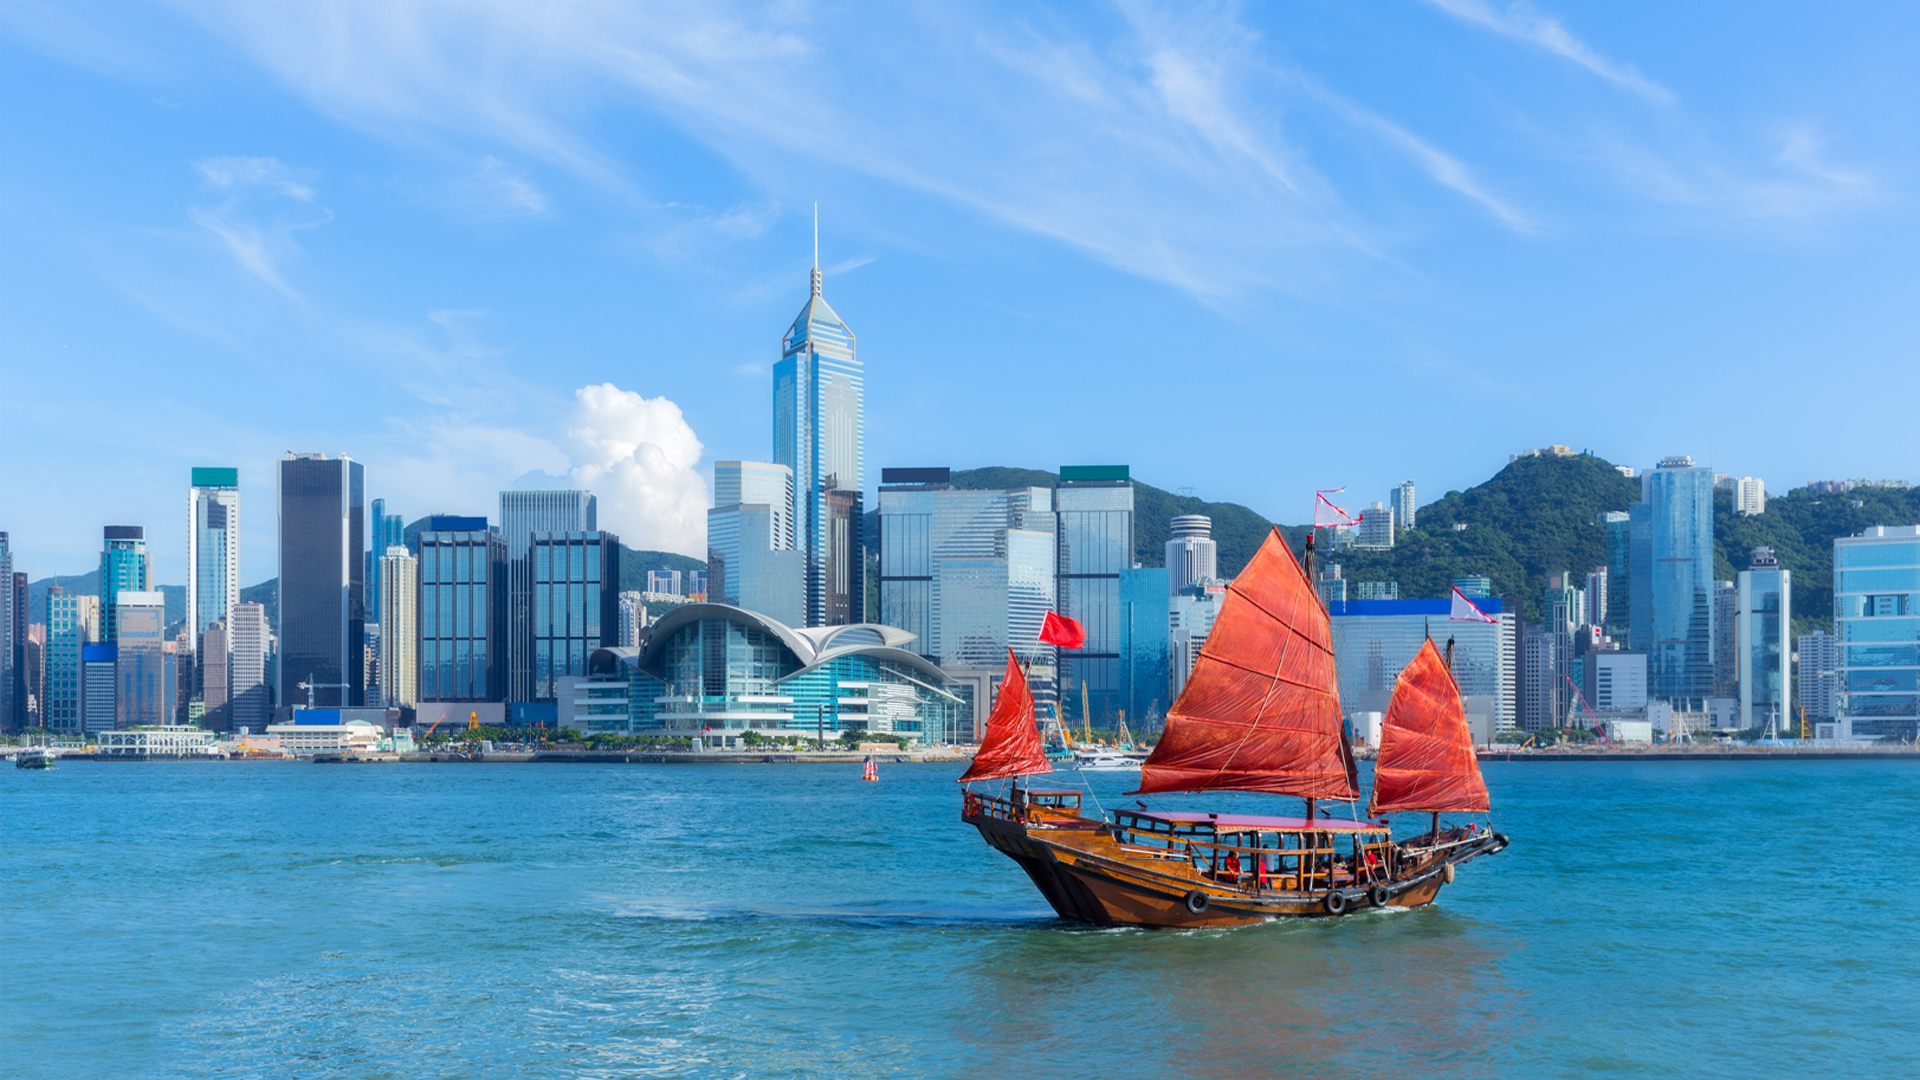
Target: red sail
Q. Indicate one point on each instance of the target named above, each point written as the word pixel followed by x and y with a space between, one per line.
pixel 1011 746
pixel 1261 711
pixel 1426 760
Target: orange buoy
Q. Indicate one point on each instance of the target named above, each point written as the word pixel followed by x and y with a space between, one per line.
pixel 869 771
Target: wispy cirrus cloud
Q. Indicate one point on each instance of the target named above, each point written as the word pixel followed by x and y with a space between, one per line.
pixel 494 189
pixel 1522 21
pixel 261 247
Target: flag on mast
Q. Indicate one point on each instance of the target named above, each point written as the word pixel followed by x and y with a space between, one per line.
pixel 1064 632
pixel 1326 515
pixel 1464 608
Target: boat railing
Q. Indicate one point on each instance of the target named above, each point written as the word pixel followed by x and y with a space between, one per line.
pixel 1024 806
pixel 1417 849
pixel 1313 865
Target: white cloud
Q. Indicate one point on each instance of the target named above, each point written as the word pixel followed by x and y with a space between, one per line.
pixel 250 246
pixel 1523 22
pixel 256 172
pixel 495 189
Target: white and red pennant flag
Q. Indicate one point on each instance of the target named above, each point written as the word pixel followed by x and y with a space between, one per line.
pixel 1464 608
pixel 1326 515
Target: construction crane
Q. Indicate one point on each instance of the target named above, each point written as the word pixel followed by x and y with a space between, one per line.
pixel 310 686
pixel 1582 699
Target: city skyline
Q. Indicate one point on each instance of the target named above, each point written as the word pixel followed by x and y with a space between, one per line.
pixel 500 299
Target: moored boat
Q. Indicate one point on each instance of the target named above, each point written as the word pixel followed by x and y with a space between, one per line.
pixel 1260 713
pixel 1105 760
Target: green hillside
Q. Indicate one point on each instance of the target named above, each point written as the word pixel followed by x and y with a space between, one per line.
pixel 1801 527
pixel 1537 516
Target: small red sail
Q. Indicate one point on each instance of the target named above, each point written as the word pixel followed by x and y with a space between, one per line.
pixel 1011 745
pixel 1426 760
pixel 1261 711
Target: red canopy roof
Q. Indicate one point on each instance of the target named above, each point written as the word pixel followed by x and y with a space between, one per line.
pixel 1261 711
pixel 1011 745
pixel 1426 760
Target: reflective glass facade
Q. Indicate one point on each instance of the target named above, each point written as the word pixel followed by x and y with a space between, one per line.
pixel 125 566
pixel 1671 579
pixel 1617 615
pixel 576 603
pixel 819 433
pixel 522 514
pixel 73 622
pixel 745 570
pixel 462 616
pixel 213 549
pixel 1765 611
pixel 1876 586
pixel 1374 639
pixel 322 579
pixel 968 573
pixel 1144 617
pixel 383 531
pixel 1094 545
pixel 140 683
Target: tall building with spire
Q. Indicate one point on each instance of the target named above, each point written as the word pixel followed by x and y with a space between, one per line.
pixel 819 434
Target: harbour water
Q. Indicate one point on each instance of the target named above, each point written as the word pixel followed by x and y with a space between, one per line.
pixel 292 920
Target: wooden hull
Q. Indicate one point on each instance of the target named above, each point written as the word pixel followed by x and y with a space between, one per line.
pixel 1086 875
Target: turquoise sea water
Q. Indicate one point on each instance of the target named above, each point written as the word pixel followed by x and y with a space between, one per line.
pixel 293 920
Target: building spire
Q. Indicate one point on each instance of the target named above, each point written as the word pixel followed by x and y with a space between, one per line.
pixel 816 249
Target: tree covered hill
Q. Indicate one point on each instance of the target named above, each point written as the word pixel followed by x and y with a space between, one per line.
pixel 1537 516
pixel 1801 527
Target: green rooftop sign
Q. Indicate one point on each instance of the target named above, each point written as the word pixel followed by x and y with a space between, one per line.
pixel 1069 473
pixel 216 478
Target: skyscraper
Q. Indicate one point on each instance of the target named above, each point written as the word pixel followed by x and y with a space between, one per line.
pixel 249 697
pixel 383 531
pixel 1093 546
pixel 99 666
pixel 73 623
pixel 400 633
pixel 125 566
pixel 1877 619
pixel 1819 681
pixel 1402 503
pixel 1671 578
pixel 523 513
pixel 1192 556
pixel 9 643
pixel 213 548
pixel 1726 640
pixel 1376 528
pixel 576 603
pixel 1765 670
pixel 1617 616
pixel 140 685
pixel 215 670
pixel 751 561
pixel 819 434
pixel 463 616
pixel 322 580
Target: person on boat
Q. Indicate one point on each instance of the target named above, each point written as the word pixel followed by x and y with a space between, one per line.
pixel 1230 869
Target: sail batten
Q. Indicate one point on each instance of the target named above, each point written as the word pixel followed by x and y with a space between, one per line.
pixel 1261 711
pixel 1011 745
pixel 1426 761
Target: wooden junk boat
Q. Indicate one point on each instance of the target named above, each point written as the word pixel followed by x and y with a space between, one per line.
pixel 1261 712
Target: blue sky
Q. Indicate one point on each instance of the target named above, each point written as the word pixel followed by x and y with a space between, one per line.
pixel 1250 250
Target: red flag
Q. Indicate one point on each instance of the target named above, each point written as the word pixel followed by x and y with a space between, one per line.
pixel 1064 632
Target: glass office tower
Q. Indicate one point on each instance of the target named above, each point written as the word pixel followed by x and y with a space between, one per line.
pixel 383 531
pixel 462 616
pixel 819 434
pixel 1764 613
pixel 1093 509
pixel 213 549
pixel 322 580
pixel 1617 617
pixel 522 514
pixel 576 603
pixel 1876 601
pixel 73 622
pixel 1671 579
pixel 1374 639
pixel 140 684
pixel 125 566
pixel 751 561
pixel 400 634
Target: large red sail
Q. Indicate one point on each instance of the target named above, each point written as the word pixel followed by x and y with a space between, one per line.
pixel 1261 711
pixel 1011 745
pixel 1426 760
